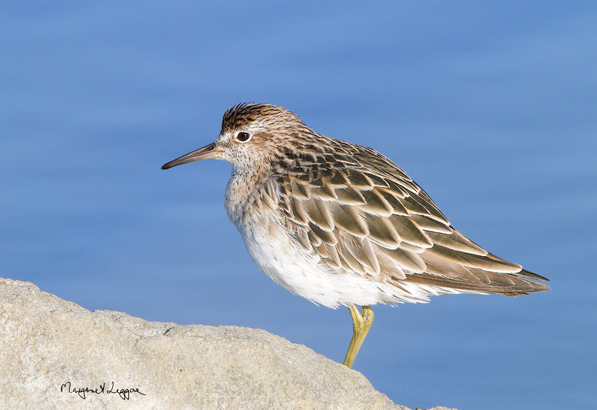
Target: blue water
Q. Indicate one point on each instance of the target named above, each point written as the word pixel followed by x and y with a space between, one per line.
pixel 490 107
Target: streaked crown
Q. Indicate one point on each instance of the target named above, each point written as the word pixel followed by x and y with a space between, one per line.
pixel 264 115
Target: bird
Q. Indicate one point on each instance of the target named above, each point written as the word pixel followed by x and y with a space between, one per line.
pixel 340 224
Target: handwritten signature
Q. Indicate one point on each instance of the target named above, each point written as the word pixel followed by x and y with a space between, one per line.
pixel 125 394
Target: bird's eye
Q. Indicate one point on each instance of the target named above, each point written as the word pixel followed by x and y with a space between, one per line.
pixel 243 136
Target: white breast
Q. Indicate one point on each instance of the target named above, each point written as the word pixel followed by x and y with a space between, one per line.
pixel 280 257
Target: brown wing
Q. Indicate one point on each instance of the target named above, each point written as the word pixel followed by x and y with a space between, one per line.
pixel 376 221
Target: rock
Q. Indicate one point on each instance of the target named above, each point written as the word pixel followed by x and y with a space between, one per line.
pixel 55 354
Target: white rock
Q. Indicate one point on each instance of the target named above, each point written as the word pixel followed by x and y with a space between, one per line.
pixel 51 348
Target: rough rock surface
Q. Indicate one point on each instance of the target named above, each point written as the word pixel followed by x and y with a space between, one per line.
pixel 55 354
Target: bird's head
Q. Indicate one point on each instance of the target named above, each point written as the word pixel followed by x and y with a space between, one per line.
pixel 251 135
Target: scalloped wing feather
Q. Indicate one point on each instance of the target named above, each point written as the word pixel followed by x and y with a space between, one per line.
pixel 378 222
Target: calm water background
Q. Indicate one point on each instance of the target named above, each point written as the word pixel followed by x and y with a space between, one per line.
pixel 492 108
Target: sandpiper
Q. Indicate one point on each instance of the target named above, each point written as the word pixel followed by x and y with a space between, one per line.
pixel 342 225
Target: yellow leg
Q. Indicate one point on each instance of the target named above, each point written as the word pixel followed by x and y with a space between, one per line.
pixel 360 327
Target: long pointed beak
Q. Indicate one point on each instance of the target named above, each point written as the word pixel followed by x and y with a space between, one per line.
pixel 206 152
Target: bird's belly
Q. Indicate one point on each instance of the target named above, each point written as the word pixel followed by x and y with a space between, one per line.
pixel 279 257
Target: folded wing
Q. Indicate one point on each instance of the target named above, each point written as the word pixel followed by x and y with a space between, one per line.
pixel 376 221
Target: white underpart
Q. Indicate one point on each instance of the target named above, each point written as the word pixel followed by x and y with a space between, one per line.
pixel 302 273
